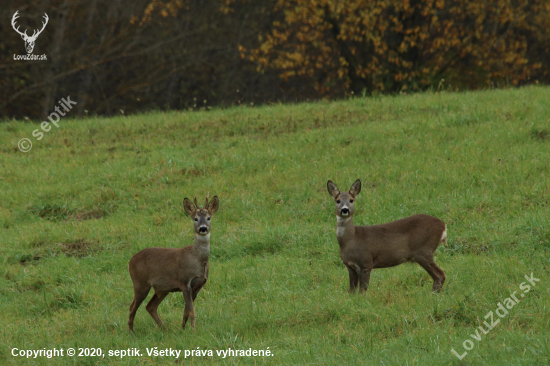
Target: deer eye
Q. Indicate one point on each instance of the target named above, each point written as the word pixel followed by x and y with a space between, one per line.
pixel 196 219
pixel 337 201
pixel 208 219
pixel 351 201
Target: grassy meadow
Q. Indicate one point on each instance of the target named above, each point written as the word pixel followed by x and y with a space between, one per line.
pixel 93 192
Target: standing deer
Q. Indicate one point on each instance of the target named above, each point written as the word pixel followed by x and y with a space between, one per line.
pixel 362 248
pixel 29 40
pixel 174 270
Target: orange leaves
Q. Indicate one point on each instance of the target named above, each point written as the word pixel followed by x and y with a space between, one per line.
pixel 400 44
pixel 242 51
pixel 165 9
pixel 226 6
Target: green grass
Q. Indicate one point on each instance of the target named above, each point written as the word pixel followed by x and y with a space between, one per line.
pixel 94 192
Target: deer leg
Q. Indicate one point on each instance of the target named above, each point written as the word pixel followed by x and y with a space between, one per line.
pixel 441 276
pixel 139 295
pixel 353 278
pixel 434 271
pixel 196 285
pixel 364 278
pixel 189 311
pixel 154 304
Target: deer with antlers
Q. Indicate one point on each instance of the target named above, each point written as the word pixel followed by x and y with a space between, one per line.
pixel 29 40
pixel 174 270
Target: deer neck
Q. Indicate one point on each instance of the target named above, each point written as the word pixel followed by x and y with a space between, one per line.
pixel 201 245
pixel 345 230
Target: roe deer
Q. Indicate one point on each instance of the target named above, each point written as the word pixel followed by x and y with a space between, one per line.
pixel 362 248
pixel 174 270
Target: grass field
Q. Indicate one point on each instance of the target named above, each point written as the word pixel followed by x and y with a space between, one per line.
pixel 93 192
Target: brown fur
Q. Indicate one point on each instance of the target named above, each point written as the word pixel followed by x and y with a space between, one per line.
pixel 173 270
pixel 363 248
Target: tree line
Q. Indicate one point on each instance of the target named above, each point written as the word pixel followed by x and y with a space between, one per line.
pixel 122 57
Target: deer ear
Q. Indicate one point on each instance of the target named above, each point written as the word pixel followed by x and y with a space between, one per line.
pixel 332 189
pixel 213 205
pixel 355 188
pixel 189 207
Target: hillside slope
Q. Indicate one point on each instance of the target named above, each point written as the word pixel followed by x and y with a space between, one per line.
pixel 93 192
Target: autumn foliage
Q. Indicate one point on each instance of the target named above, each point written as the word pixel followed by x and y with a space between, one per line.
pixel 128 56
pixel 395 45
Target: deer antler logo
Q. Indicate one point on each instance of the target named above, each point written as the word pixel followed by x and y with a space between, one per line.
pixel 29 40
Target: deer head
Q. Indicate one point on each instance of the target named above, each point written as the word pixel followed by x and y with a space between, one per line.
pixel 29 40
pixel 201 216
